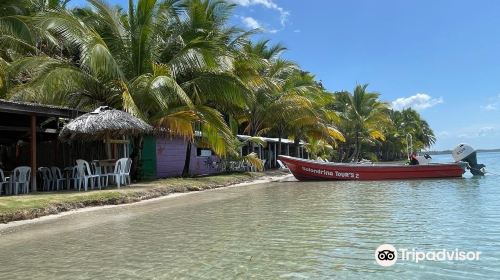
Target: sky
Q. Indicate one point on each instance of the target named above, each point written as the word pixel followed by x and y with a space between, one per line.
pixel 441 58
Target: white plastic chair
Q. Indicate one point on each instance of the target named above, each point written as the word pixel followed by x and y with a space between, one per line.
pixel 85 173
pixel 21 178
pixel 75 178
pixel 116 174
pixel 121 173
pixel 57 178
pixel 46 178
pixel 98 171
pixel 3 182
pixel 126 171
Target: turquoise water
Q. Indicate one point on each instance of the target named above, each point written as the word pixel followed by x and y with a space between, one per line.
pixel 282 230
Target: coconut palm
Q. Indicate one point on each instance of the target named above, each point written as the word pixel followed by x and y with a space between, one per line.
pixel 286 100
pixel 180 66
pixel 121 61
pixel 362 118
pixel 407 121
pixel 319 148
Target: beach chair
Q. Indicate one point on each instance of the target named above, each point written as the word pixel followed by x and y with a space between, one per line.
pixel 98 171
pixel 3 182
pixel 282 165
pixel 86 174
pixel 121 173
pixel 115 175
pixel 57 178
pixel 20 179
pixel 125 174
pixel 75 178
pixel 47 181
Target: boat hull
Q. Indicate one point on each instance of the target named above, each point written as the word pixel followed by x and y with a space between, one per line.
pixel 306 170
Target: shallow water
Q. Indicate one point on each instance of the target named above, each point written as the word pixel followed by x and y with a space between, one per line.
pixel 289 230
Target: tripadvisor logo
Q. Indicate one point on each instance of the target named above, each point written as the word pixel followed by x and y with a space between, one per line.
pixel 388 255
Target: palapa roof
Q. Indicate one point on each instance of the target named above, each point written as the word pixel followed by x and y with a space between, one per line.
pixel 104 122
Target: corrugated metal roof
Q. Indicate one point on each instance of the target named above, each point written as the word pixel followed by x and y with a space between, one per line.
pixel 30 108
pixel 269 140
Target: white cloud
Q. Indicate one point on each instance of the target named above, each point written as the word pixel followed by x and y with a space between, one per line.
pixel 443 133
pixel 474 132
pixel 493 105
pixel 296 31
pixel 489 107
pixel 269 4
pixel 251 23
pixel 419 101
pixel 485 131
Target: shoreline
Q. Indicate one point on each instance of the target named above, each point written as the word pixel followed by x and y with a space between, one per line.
pixel 265 177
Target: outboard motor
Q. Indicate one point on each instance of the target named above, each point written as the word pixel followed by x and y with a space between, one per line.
pixel 466 153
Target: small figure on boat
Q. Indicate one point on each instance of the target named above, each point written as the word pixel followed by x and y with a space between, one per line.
pixel 416 160
pixel 413 159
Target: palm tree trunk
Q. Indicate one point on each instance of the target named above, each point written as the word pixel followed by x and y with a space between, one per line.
pixel 187 161
pixel 358 147
pixel 355 153
pixel 296 142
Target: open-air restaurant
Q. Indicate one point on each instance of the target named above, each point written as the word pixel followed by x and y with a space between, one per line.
pixel 49 148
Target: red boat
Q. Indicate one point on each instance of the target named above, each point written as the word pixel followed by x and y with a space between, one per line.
pixel 304 169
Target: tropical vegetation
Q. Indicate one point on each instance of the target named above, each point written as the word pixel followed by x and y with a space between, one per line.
pixel 181 66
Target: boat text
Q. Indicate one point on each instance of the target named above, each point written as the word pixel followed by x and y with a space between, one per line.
pixel 331 173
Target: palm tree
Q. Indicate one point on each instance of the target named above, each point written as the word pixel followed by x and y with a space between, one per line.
pixel 287 101
pixel 362 118
pixel 121 60
pixel 181 66
pixel 318 148
pixel 407 121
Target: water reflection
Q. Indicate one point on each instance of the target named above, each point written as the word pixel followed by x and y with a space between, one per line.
pixel 291 230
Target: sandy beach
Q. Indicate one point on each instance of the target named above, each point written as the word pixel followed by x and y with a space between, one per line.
pixel 261 180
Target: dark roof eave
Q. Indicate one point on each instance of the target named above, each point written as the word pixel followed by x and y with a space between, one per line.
pixel 26 108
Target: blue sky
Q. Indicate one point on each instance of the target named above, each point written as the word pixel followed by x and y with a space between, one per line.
pixel 439 57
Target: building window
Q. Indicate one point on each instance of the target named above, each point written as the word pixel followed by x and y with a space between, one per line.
pixel 203 152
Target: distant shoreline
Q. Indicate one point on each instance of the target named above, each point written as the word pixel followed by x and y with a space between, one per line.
pixel 449 151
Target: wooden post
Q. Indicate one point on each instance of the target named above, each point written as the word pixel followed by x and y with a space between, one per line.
pixel 33 153
pixel 275 154
pixel 269 153
pixel 108 146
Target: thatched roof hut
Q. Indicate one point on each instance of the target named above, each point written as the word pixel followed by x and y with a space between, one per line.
pixel 104 123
